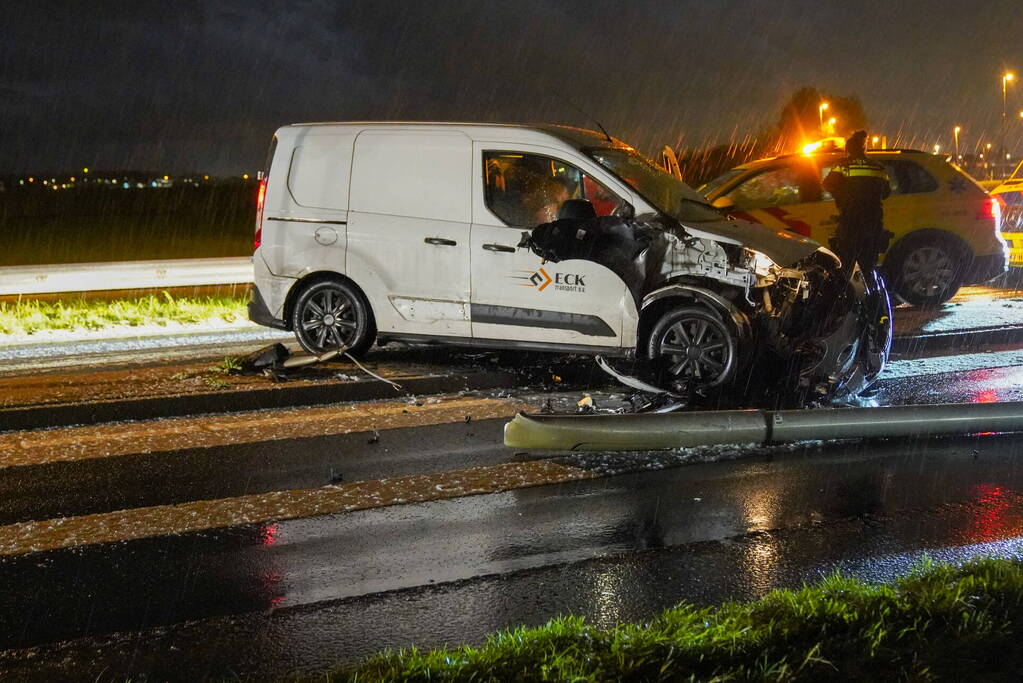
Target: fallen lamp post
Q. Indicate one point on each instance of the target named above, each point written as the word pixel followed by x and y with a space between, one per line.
pixel 660 431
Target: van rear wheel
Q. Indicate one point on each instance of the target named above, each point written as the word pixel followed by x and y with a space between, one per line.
pixel 331 314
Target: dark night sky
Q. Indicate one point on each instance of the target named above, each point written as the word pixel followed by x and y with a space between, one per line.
pixel 182 85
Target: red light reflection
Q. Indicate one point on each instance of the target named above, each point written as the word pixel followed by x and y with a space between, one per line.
pixel 268 534
pixel 998 515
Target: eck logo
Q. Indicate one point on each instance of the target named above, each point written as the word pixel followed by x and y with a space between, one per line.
pixel 541 280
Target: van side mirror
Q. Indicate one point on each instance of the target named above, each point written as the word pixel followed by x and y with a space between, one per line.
pixel 724 203
pixel 626 211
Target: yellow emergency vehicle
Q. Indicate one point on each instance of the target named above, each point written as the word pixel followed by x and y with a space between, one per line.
pixel 1010 194
pixel 946 226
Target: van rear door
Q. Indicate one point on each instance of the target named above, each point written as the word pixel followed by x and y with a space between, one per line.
pixel 306 202
pixel 408 229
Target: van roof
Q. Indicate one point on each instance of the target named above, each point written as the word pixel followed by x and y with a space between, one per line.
pixel 580 138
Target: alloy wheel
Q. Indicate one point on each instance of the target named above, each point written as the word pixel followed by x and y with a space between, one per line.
pixel 697 348
pixel 328 319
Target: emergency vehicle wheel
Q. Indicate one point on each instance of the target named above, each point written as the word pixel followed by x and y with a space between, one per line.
pixel 331 314
pixel 926 272
pixel 691 348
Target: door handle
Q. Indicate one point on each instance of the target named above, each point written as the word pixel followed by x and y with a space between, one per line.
pixel 499 247
pixel 440 241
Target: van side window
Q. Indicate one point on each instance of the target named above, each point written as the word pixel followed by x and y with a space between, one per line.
pixel 525 190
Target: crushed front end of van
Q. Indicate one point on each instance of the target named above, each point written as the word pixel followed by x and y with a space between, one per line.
pixel 776 319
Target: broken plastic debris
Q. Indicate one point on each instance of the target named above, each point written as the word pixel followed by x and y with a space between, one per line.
pixel 265 357
pixel 302 360
pixel 628 380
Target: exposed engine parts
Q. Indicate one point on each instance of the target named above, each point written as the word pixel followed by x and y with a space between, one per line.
pixel 719 314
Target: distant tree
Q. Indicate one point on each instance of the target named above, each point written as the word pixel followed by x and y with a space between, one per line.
pixel 798 123
pixel 800 118
pixel 701 165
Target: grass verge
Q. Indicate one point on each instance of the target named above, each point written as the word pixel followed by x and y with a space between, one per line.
pixel 938 623
pixel 31 317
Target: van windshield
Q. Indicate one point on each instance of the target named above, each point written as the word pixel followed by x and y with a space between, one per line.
pixel 663 190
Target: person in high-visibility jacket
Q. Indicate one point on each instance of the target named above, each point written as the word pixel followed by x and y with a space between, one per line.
pixel 859 186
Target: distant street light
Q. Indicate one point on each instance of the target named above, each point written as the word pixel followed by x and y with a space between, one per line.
pixel 1007 77
pixel 831 125
pixel 955 132
pixel 820 115
pixel 937 148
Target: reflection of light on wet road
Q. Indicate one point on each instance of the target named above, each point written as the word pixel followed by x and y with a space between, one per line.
pixel 954 384
pixel 272 587
pixel 760 557
pixel 763 561
pixel 608 593
pixel 990 385
pixel 888 567
pixel 1003 360
pixel 984 378
pixel 993 527
pixel 268 534
pixel 760 508
pixel 997 517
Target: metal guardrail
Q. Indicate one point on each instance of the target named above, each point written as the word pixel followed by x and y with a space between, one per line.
pixel 89 277
pixel 654 431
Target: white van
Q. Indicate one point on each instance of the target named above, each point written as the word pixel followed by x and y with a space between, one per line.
pixel 420 232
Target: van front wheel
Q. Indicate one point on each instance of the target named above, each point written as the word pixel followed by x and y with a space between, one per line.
pixel 330 314
pixel 691 348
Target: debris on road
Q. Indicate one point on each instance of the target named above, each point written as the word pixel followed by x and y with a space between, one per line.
pixel 275 361
pixel 265 357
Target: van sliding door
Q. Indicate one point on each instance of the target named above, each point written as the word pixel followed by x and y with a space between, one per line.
pixel 408 229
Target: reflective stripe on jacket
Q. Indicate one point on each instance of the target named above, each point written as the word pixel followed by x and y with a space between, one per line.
pixel 862 169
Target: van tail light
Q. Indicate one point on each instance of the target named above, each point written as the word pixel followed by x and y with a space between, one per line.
pixel 992 209
pixel 260 198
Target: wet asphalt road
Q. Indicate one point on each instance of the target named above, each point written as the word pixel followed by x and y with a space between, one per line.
pixel 612 548
pixel 65 489
pixel 264 600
